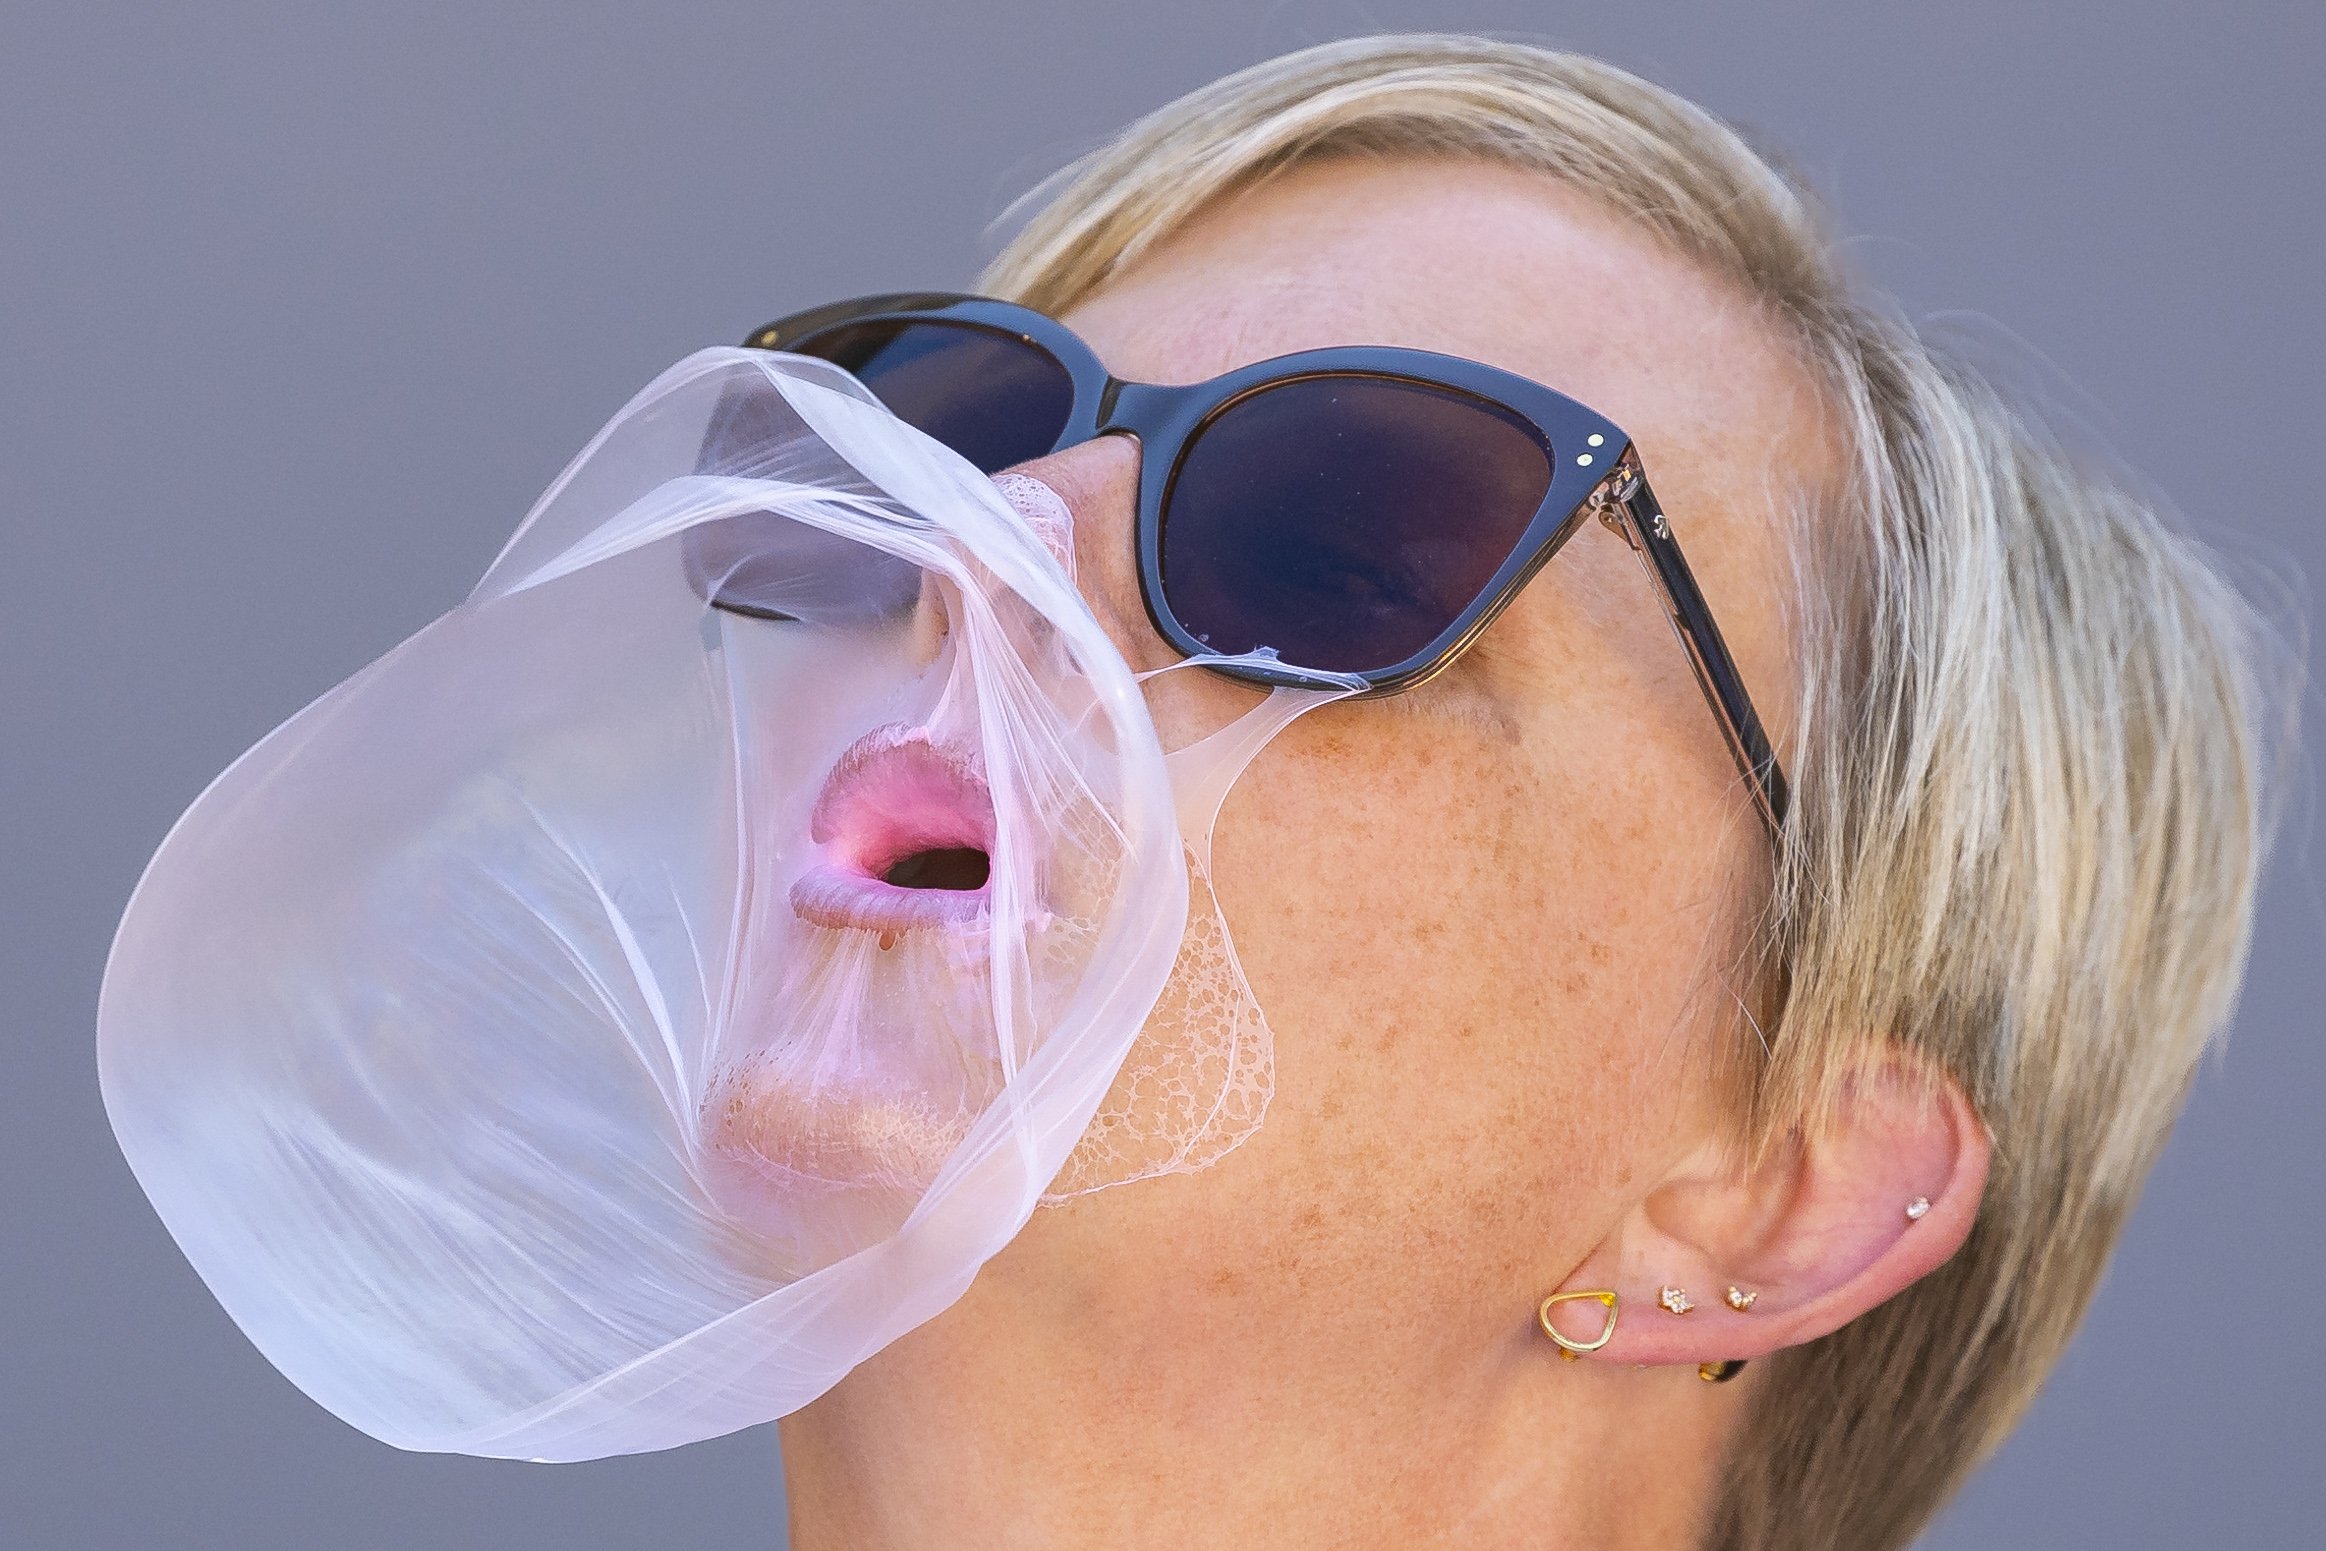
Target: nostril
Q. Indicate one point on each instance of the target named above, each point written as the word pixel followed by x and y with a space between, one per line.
pixel 932 618
pixel 960 868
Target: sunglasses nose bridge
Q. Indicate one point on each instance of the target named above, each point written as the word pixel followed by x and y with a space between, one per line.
pixel 1135 409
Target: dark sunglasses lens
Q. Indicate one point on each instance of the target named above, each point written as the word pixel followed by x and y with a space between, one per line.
pixel 993 397
pixel 1346 522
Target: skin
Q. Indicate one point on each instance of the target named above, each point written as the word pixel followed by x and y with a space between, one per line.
pixel 1485 919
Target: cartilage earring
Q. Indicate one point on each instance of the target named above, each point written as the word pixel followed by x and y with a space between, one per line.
pixel 1569 1350
pixel 1675 1300
pixel 1918 1208
pixel 1740 1300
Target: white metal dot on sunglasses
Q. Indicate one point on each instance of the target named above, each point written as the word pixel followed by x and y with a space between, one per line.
pixel 1583 458
pixel 1594 439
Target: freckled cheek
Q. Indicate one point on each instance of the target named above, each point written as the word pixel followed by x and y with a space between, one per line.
pixel 1436 937
pixel 1396 902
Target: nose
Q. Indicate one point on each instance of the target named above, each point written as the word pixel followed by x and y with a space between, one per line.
pixel 1044 510
pixel 1082 502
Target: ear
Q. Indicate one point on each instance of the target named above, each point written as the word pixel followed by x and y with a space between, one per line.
pixel 1817 1232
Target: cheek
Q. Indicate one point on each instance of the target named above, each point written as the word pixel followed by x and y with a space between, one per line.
pixel 1437 929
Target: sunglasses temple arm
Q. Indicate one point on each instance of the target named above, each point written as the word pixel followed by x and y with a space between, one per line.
pixel 1627 505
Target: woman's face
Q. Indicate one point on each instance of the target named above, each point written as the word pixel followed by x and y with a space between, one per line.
pixel 1486 918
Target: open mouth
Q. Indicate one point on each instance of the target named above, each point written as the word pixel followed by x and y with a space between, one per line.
pixel 905 826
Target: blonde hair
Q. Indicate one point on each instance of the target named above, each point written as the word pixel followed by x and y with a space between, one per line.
pixel 2029 755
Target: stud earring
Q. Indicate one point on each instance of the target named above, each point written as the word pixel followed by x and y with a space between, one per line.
pixel 1918 1208
pixel 1721 1372
pixel 1675 1300
pixel 1740 1300
pixel 1569 1350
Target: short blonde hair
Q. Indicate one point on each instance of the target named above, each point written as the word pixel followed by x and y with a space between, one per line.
pixel 2033 729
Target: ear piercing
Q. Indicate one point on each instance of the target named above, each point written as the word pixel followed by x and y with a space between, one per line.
pixel 1918 1208
pixel 1676 1299
pixel 1569 1350
pixel 1672 1298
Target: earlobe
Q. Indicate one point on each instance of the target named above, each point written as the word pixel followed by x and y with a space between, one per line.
pixel 1718 1263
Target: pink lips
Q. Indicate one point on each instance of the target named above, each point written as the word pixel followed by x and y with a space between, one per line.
pixel 906 830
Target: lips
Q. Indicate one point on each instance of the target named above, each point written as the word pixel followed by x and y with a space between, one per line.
pixel 904 828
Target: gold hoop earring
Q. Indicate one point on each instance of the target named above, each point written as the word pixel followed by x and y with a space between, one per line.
pixel 1721 1372
pixel 1570 1350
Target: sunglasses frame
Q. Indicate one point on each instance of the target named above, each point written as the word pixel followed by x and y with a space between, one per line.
pixel 1595 472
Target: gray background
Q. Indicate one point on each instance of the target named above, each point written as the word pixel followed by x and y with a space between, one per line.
pixel 299 309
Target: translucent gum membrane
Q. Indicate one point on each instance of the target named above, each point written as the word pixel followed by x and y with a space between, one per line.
pixel 665 979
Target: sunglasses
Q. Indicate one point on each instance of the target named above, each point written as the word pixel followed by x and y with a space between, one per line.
pixel 1360 512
